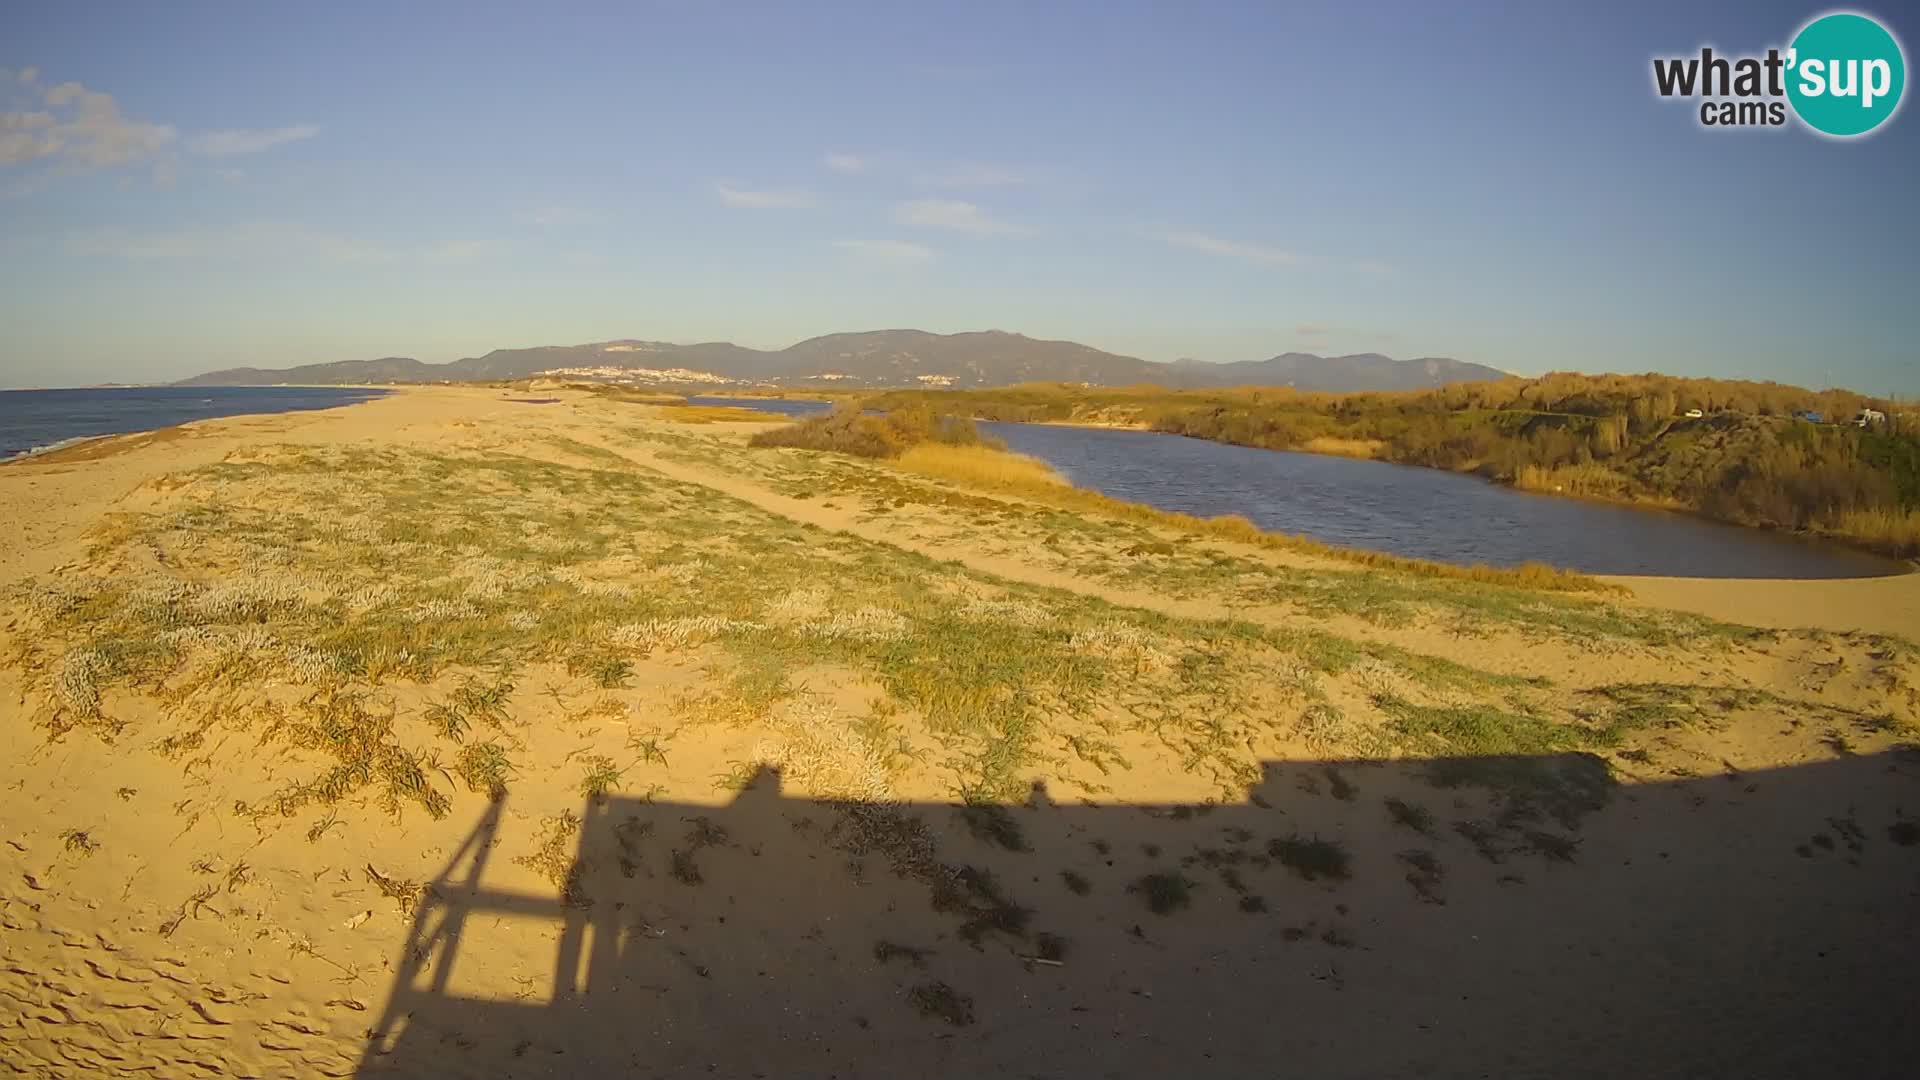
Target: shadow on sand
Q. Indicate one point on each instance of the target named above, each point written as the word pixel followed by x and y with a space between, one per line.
pixel 1465 917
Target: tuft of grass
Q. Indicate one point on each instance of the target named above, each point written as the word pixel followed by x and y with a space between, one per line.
pixel 79 840
pixel 606 670
pixel 982 905
pixel 1164 892
pixel 1410 815
pixel 1424 873
pixel 319 828
pixel 738 777
pixel 885 951
pixel 1076 883
pixel 1312 859
pixel 405 894
pixel 994 825
pixel 1552 845
pixel 552 861
pixel 485 768
pixel 599 777
pixel 942 1002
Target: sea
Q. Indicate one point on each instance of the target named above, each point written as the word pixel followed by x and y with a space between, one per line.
pixel 35 421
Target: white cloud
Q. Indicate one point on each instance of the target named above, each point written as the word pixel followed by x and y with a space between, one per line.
pixel 252 240
pixel 1312 329
pixel 71 128
pixel 886 251
pixel 1233 249
pixel 79 128
pixel 229 143
pixel 975 175
pixel 847 163
pixel 762 200
pixel 952 214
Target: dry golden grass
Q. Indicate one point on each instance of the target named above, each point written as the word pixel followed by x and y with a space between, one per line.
pixel 1896 532
pixel 999 470
pixel 980 466
pixel 1338 447
pixel 710 414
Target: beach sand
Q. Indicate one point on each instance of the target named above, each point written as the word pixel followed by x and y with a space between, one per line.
pixel 450 734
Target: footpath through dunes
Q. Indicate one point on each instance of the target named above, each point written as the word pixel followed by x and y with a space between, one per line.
pixel 458 735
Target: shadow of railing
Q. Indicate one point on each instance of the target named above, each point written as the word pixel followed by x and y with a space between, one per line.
pixel 1494 916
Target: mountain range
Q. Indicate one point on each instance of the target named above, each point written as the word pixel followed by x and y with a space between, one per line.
pixel 874 358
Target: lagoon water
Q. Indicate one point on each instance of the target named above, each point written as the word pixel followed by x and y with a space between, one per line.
pixel 33 420
pixel 1426 513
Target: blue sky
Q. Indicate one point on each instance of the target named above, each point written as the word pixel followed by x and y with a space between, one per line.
pixel 259 184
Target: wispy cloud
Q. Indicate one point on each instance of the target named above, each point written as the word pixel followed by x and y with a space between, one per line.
pixel 762 200
pixel 1312 329
pixel 899 252
pixel 70 128
pixel 1234 249
pixel 251 240
pixel 230 143
pixel 69 125
pixel 846 163
pixel 975 175
pixel 953 214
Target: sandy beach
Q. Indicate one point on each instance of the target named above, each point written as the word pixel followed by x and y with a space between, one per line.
pixel 470 732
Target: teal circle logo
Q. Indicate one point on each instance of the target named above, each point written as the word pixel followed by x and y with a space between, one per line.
pixel 1845 74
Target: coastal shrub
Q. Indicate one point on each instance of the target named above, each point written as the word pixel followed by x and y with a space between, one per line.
pixel 850 429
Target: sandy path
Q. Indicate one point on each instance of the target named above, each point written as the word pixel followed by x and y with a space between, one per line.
pixel 1888 605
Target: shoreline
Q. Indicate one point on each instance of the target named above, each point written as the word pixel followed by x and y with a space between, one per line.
pixel 81 442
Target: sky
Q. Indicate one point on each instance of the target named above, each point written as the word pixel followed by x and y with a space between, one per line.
pixel 193 186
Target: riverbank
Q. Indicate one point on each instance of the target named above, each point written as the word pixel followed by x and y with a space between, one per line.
pixel 428 735
pixel 1740 455
pixel 1886 534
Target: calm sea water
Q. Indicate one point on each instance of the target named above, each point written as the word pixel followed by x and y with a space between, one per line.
pixel 1427 513
pixel 33 420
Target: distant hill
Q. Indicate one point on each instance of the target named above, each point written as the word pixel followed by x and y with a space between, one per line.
pixel 1335 374
pixel 875 358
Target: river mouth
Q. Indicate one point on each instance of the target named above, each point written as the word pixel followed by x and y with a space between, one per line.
pixel 1406 510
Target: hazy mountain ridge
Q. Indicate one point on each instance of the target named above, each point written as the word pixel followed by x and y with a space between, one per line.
pixel 888 358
